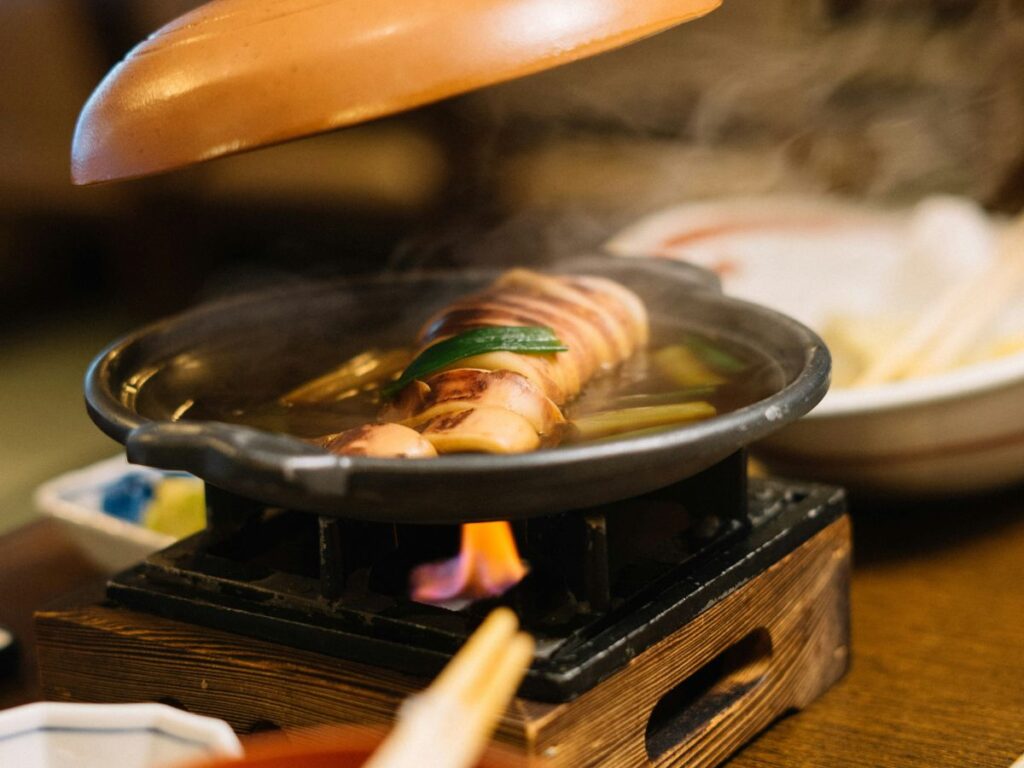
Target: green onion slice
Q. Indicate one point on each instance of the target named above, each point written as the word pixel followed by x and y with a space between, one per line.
pixel 606 423
pixel 527 340
pixel 714 355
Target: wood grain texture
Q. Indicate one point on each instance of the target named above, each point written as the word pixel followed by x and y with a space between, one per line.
pixel 38 562
pixel 937 663
pixel 97 653
pixel 937 671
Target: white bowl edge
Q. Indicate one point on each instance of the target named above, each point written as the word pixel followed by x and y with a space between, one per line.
pixel 958 383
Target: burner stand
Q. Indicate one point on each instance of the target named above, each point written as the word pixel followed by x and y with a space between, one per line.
pixel 753 626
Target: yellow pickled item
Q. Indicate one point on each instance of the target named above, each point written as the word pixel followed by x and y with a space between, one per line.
pixel 178 507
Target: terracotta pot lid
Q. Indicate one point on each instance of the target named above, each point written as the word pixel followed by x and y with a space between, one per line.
pixel 233 75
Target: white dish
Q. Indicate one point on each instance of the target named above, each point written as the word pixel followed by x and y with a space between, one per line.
pixel 956 432
pixel 110 543
pixel 960 432
pixel 57 735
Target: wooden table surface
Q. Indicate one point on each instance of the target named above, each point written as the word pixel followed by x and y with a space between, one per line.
pixel 937 677
pixel 37 563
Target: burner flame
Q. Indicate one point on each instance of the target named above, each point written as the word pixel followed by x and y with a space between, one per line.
pixel 487 565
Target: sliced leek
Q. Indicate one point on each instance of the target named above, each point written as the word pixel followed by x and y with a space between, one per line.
pixel 681 365
pixel 359 372
pixel 625 420
pixel 715 356
pixel 664 398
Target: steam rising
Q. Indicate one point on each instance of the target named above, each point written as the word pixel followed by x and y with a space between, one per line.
pixel 878 100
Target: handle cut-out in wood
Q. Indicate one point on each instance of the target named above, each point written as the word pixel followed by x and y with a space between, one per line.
pixel 708 692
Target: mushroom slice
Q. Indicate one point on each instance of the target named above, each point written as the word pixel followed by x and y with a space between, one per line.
pixel 463 388
pixel 379 440
pixel 481 430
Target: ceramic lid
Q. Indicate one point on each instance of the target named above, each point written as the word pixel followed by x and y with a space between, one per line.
pixel 237 74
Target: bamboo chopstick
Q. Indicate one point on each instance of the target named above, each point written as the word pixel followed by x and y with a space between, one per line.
pixel 448 725
pixel 1003 280
pixel 943 333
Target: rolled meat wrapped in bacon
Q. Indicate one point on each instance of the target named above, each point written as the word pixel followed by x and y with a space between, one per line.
pixel 504 401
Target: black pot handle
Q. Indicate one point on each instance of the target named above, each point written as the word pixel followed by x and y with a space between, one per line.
pixel 262 465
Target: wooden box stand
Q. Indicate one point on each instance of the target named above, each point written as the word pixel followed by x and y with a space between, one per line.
pixel 770 647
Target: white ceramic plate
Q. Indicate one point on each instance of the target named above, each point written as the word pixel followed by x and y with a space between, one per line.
pixel 960 431
pixel 57 735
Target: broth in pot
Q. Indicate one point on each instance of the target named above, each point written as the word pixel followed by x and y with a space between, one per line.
pixel 682 377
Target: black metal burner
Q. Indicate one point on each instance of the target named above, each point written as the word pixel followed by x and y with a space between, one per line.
pixel 604 584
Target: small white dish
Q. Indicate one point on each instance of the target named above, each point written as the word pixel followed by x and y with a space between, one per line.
pixel 58 735
pixel 956 432
pixel 74 499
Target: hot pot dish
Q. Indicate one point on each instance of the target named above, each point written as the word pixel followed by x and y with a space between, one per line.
pixel 460 395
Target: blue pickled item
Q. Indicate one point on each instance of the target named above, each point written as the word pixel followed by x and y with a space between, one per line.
pixel 126 498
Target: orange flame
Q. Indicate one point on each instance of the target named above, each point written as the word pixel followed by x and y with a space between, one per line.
pixel 487 565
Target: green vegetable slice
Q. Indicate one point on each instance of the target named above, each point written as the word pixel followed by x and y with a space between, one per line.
pixel 363 370
pixel 664 398
pixel 715 356
pixel 684 367
pixel 527 340
pixel 625 420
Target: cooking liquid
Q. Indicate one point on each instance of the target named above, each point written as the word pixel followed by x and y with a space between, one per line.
pixel 637 382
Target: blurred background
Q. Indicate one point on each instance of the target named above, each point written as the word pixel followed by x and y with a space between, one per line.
pixel 876 100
